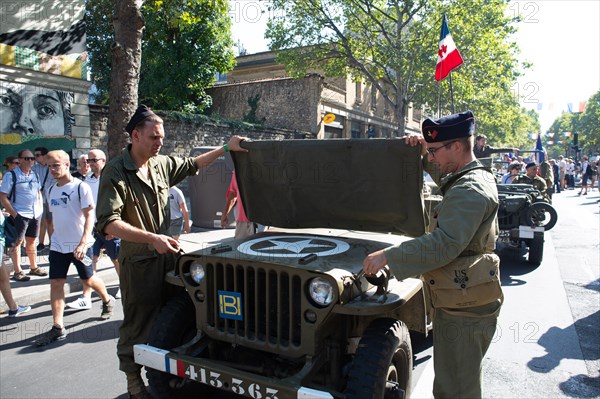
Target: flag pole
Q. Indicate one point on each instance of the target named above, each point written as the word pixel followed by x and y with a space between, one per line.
pixel 439 101
pixel 451 92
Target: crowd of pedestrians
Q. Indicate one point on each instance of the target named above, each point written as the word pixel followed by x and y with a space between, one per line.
pixel 37 194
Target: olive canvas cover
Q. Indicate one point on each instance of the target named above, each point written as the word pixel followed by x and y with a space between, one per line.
pixel 357 184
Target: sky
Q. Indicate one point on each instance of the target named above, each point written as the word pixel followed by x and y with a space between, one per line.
pixel 561 38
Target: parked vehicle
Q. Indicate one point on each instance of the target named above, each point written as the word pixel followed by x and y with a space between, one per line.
pixel 288 313
pixel 523 217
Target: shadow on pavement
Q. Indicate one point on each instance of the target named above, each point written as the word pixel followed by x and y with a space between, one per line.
pixel 513 262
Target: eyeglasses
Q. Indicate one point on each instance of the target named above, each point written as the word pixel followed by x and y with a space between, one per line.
pixel 37 154
pixel 15 163
pixel 432 151
pixel 28 158
pixel 94 160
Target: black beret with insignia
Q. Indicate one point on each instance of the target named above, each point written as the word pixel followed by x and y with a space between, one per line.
pixel 450 127
pixel 142 112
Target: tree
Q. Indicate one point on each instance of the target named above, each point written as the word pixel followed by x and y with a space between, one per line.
pixel 183 46
pixel 126 58
pixel 589 125
pixel 586 125
pixel 392 45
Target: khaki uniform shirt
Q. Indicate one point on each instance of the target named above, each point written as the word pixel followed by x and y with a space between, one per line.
pixel 537 182
pixel 124 194
pixel 465 218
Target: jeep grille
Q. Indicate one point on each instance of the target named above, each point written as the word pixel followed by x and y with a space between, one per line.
pixel 271 305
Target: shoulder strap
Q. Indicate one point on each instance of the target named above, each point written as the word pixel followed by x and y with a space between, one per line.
pixel 78 190
pixel 13 191
pixel 45 178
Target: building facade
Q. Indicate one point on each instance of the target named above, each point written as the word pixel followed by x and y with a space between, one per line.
pixel 259 90
pixel 43 77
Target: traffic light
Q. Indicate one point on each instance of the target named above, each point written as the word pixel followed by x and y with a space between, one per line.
pixel 575 139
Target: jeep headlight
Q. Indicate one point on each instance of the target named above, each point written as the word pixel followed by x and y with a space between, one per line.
pixel 197 272
pixel 320 291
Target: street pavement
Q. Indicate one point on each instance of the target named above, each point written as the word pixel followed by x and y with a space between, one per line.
pixel 546 346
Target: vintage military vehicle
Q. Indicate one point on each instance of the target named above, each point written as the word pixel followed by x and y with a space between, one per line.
pixel 523 217
pixel 287 313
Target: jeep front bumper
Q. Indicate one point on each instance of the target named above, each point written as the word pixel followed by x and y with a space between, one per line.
pixel 222 377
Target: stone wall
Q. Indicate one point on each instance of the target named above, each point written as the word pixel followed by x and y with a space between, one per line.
pixel 184 133
pixel 292 103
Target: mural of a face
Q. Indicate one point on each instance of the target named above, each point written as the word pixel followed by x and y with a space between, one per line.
pixel 31 110
pixel 8 108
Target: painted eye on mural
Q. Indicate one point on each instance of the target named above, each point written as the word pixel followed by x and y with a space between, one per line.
pixel 5 101
pixel 46 111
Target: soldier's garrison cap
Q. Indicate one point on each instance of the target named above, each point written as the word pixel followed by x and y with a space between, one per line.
pixel 142 112
pixel 450 127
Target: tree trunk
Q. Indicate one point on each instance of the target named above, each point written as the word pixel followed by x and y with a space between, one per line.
pixel 125 74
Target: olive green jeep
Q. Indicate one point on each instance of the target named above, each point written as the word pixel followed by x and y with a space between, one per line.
pixel 288 313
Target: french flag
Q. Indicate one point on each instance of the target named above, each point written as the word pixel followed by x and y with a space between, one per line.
pixel 448 55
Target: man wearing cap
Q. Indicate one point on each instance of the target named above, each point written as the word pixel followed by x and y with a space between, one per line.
pixel 531 177
pixel 485 151
pixel 456 260
pixel 134 206
pixel 514 168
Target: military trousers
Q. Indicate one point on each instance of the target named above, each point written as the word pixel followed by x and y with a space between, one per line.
pixel 143 292
pixel 461 337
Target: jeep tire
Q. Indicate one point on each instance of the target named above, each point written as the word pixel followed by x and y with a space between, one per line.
pixel 536 248
pixel 174 326
pixel 382 365
pixel 542 214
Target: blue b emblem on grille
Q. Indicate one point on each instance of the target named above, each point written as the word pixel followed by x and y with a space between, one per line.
pixel 230 305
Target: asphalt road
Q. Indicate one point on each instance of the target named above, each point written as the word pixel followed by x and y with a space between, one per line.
pixel 547 344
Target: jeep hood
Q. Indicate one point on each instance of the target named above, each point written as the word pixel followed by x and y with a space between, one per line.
pixel 358 184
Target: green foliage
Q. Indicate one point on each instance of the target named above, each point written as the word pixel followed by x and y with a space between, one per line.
pixel 586 125
pixel 251 116
pixel 393 45
pixel 589 125
pixel 184 44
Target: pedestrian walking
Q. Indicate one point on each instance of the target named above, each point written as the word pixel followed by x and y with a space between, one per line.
pixel 21 197
pixel 96 159
pixel 71 203
pixel 14 310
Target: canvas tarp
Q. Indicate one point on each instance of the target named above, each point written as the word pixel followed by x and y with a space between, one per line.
pixel 358 184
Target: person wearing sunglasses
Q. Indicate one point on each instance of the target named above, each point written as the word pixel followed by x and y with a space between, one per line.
pixel 11 163
pixel 456 261
pixel 20 195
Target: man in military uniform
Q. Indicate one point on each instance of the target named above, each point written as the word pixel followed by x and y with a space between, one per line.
pixel 531 177
pixel 456 260
pixel 485 151
pixel 134 206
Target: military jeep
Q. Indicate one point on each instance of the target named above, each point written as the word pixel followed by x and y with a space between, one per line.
pixel 288 313
pixel 523 217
